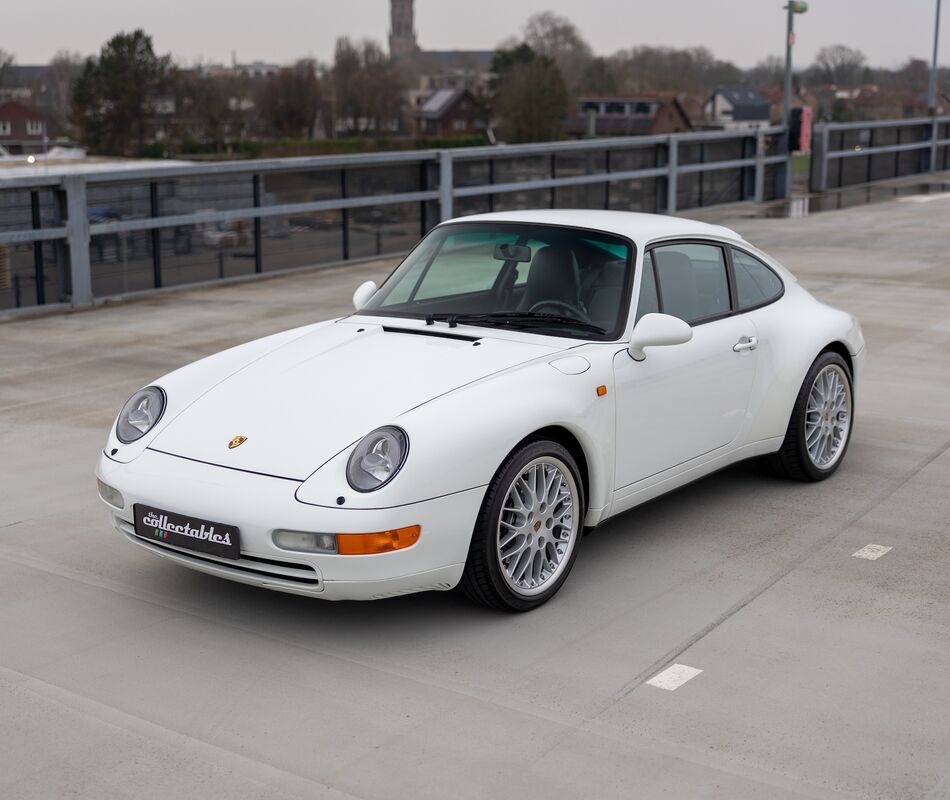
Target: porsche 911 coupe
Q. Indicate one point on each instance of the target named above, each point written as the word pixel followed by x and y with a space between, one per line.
pixel 517 380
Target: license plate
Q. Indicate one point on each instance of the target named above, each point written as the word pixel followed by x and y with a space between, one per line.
pixel 191 533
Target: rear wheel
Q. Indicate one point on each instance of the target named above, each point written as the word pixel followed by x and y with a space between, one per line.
pixel 526 535
pixel 820 427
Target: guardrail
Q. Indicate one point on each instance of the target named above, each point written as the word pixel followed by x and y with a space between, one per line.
pixel 115 231
pixel 853 153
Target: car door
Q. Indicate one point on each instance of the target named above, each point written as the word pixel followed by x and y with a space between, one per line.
pixel 684 401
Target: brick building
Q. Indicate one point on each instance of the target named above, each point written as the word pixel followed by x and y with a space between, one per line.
pixel 22 128
pixel 626 116
pixel 451 112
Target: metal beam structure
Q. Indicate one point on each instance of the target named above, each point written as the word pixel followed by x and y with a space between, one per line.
pixel 841 142
pixel 505 170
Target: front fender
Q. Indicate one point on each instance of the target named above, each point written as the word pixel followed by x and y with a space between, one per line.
pixel 458 441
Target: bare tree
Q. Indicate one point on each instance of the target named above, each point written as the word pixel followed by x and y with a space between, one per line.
pixel 668 69
pixel 839 65
pixel 367 88
pixel 768 73
pixel 598 78
pixel 914 76
pixel 557 38
pixel 53 92
pixel 289 100
pixel 531 100
pixel 6 61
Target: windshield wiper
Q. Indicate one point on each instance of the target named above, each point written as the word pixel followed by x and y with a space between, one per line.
pixel 514 319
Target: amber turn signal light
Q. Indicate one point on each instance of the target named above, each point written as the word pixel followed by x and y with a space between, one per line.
pixel 364 544
pixel 601 390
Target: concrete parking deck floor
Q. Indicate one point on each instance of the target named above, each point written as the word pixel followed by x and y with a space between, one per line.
pixel 823 675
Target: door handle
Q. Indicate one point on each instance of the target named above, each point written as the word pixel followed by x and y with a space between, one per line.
pixel 746 343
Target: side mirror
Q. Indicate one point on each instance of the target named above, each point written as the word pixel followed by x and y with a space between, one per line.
pixel 362 295
pixel 657 330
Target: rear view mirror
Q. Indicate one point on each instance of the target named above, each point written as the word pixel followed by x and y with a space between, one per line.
pixel 657 330
pixel 362 295
pixel 513 252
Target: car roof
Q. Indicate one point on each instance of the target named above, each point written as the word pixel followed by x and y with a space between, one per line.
pixel 639 227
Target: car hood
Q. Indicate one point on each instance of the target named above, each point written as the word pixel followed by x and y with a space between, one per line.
pixel 303 403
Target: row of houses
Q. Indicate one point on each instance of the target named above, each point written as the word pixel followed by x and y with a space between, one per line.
pixel 459 112
pixel 448 112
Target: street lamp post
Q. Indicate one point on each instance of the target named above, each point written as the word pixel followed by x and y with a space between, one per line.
pixel 932 90
pixel 794 7
pixel 932 94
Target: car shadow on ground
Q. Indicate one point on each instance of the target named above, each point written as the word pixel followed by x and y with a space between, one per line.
pixel 690 517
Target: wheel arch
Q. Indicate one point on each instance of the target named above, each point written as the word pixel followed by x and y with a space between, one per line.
pixel 565 438
pixel 842 350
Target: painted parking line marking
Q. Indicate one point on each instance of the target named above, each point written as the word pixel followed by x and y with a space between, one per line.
pixel 924 198
pixel 673 677
pixel 872 552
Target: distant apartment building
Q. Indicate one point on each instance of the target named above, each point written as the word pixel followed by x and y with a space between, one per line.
pixel 22 128
pixel 736 107
pixel 626 116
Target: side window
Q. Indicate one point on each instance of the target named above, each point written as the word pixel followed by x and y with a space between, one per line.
pixel 692 280
pixel 648 302
pixel 755 283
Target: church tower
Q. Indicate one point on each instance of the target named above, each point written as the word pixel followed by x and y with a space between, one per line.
pixel 402 34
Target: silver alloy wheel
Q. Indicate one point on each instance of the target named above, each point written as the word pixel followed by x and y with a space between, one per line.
pixel 828 416
pixel 538 526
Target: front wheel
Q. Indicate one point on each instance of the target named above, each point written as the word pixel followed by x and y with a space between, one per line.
pixel 820 427
pixel 527 531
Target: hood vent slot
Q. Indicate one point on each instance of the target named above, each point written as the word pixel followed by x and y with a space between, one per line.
pixel 439 334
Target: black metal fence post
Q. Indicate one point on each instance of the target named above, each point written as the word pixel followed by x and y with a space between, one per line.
pixel 345 217
pixel 38 250
pixel 156 236
pixel 258 241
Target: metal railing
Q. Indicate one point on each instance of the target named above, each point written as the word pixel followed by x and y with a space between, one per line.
pixel 852 153
pixel 79 237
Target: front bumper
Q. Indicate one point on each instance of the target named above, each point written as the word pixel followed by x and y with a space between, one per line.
pixel 259 504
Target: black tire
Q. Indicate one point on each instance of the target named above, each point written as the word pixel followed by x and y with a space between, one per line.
pixel 483 581
pixel 792 459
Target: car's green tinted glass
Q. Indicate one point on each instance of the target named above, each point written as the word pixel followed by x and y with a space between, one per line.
pixel 465 263
pixel 461 269
pixel 755 283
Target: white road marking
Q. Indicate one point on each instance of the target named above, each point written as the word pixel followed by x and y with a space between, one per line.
pixel 872 552
pixel 923 198
pixel 673 677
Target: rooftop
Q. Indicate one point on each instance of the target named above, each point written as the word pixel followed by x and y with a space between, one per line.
pixel 823 675
pixel 639 227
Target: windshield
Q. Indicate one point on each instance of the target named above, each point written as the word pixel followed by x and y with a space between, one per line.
pixel 546 278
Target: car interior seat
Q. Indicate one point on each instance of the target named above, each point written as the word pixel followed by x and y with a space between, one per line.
pixel 553 276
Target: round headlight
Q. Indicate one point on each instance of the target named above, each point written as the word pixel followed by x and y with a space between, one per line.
pixel 139 415
pixel 377 459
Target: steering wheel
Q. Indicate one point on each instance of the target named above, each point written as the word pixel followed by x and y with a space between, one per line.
pixel 572 311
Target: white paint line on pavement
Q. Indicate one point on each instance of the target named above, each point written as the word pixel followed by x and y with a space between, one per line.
pixel 673 677
pixel 872 552
pixel 924 198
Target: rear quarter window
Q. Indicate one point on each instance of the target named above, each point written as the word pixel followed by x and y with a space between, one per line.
pixel 756 284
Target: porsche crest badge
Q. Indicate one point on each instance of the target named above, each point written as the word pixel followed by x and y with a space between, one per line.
pixel 237 441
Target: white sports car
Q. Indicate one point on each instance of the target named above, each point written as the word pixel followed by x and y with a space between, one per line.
pixel 519 378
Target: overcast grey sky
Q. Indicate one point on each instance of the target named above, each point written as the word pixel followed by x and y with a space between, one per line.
pixel 743 31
